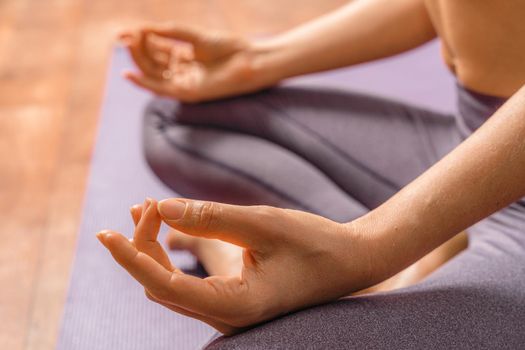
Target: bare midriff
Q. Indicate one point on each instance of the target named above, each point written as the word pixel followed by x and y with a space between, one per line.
pixel 483 42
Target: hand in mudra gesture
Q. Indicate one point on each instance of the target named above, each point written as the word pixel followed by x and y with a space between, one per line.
pixel 291 260
pixel 189 64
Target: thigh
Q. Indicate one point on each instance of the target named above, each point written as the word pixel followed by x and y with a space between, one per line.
pixel 219 165
pixel 368 146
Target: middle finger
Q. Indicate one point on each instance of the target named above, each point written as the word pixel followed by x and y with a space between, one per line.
pixel 137 49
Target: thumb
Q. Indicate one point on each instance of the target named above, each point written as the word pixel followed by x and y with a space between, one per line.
pixel 181 33
pixel 246 226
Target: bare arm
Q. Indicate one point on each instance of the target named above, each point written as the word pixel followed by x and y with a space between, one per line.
pixel 361 31
pixel 215 64
pixel 482 175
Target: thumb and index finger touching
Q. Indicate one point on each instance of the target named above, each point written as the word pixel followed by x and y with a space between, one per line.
pixel 147 225
pixel 206 219
pixel 244 226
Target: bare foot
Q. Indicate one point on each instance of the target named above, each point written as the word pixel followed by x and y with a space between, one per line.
pixel 221 258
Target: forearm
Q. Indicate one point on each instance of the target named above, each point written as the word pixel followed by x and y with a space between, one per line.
pixel 359 32
pixel 482 175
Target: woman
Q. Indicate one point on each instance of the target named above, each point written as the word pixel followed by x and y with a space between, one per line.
pixel 364 165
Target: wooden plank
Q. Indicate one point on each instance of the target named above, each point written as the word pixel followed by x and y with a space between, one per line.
pixel 33 73
pixel 95 38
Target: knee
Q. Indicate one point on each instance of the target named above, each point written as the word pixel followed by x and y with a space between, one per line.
pixel 161 111
pixel 165 140
pixel 158 115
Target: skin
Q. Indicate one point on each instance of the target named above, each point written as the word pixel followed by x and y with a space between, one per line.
pixel 482 44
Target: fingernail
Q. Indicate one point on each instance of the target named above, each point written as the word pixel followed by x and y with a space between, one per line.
pixel 102 236
pixel 171 209
pixel 99 236
pixel 147 203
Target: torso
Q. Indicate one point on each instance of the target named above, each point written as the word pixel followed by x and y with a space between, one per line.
pixel 483 42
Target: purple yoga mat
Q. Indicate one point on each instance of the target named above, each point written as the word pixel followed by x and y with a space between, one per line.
pixel 106 308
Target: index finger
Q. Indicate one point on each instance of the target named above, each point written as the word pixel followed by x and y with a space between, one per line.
pixel 149 223
pixel 146 232
pixel 135 42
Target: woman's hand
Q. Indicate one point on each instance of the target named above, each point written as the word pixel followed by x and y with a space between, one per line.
pixel 291 260
pixel 192 65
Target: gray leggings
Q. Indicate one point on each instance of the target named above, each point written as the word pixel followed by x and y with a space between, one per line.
pixel 340 154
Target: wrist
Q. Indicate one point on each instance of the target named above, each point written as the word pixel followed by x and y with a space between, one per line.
pixel 267 61
pixel 393 235
pixel 362 270
pixel 377 252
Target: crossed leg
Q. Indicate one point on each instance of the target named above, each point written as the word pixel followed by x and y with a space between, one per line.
pixel 334 153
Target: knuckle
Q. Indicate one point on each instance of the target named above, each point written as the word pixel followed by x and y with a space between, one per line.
pixel 266 211
pixel 274 218
pixel 172 290
pixel 207 216
pixel 161 294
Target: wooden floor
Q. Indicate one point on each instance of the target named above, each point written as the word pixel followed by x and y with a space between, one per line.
pixel 53 59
